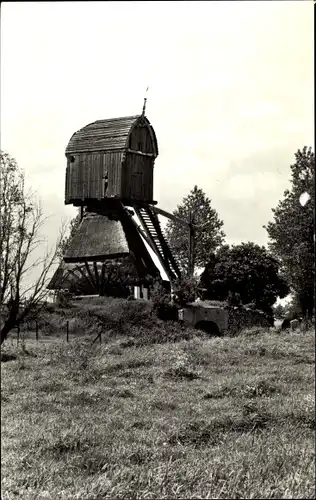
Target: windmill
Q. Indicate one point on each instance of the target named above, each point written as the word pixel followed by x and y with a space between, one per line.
pixel 110 175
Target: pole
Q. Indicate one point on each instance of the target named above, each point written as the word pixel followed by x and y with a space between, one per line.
pixel 67 331
pixel 191 245
pixel 36 330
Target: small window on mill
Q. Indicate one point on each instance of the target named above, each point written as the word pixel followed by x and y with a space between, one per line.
pixel 72 159
pixel 139 146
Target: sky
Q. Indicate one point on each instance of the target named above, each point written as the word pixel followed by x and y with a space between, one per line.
pixel 231 95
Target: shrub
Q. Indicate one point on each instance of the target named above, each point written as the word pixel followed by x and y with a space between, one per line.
pixel 161 303
pixel 243 317
pixel 63 299
pixel 186 290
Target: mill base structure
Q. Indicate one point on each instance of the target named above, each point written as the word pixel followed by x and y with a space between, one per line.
pixel 110 232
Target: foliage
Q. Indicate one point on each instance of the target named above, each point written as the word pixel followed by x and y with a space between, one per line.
pixel 161 300
pixel 293 307
pixel 207 238
pixel 291 232
pixel 63 299
pixel 186 290
pixel 279 311
pixel 244 273
pixel 21 220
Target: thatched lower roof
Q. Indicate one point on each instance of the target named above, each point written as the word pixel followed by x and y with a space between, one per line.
pixel 97 237
pixel 109 235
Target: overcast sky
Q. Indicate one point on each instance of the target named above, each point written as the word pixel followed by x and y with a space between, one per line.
pixel 230 95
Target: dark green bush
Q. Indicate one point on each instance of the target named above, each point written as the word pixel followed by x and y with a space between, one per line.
pixel 161 303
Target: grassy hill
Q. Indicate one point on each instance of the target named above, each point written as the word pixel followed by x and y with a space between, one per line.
pixel 135 418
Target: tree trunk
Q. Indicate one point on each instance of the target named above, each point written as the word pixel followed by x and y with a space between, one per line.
pixel 7 327
pixel 10 322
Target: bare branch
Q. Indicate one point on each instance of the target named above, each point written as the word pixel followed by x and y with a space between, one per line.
pixel 21 219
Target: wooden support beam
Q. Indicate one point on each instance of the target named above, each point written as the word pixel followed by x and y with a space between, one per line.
pixel 144 235
pixel 191 246
pixel 169 216
pixel 151 155
pixel 96 273
pixel 153 245
pixel 102 289
pixel 165 247
pixel 90 274
pixel 176 219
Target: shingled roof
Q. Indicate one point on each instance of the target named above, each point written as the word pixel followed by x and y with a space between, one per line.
pixel 107 135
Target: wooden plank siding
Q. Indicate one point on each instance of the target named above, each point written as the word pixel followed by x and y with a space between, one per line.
pixel 85 178
pixel 123 149
pixel 137 181
pixel 67 184
pixel 140 140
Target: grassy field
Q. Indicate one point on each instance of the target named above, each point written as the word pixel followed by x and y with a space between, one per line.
pixel 197 418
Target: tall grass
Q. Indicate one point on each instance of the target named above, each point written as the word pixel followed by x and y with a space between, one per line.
pixel 195 418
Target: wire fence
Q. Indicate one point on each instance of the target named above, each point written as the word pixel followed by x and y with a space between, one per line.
pixel 32 331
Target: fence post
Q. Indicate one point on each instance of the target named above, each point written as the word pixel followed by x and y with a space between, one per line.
pixel 67 330
pixel 36 330
pixel 18 335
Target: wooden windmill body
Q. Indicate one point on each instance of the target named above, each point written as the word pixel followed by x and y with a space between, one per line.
pixel 110 175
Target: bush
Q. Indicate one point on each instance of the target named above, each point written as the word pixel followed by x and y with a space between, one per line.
pixel 161 303
pixel 64 298
pixel 242 317
pixel 186 290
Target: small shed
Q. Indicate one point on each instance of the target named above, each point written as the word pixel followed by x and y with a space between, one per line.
pixel 111 159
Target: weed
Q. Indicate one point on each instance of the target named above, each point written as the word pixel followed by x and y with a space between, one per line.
pixel 181 368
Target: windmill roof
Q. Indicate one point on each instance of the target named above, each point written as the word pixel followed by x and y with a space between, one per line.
pixel 107 135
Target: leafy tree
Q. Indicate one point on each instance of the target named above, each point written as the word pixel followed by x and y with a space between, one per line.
pixel 207 238
pixel 291 232
pixel 21 220
pixel 279 311
pixel 244 273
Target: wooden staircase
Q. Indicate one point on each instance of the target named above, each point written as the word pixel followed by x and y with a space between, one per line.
pixel 151 225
